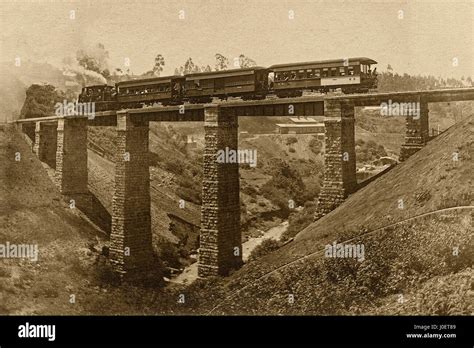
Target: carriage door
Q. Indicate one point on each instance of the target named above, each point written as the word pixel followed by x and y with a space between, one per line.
pixel 219 85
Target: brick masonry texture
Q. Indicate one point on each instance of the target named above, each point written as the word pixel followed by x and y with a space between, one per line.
pixel 71 156
pixel 417 132
pixel 45 145
pixel 220 247
pixel 339 158
pixel 131 252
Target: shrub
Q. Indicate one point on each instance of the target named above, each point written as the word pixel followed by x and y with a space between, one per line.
pixel 315 145
pixel 300 220
pixel 264 248
pixel 175 167
pixel 291 140
pixel 286 183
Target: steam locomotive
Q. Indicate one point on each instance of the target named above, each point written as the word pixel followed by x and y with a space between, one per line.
pixel 353 75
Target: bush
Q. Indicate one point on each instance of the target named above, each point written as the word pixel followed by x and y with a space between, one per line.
pixel 315 145
pixel 190 195
pixel 264 248
pixel 286 183
pixel 300 220
pixel 291 140
pixel 175 167
pixel 249 190
pixel 369 151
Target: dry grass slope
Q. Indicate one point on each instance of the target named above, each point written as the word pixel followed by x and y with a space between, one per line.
pixel 428 181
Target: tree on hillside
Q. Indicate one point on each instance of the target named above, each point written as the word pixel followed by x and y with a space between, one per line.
pixel 190 67
pixel 40 101
pixel 286 184
pixel 246 62
pixel 222 62
pixel 388 82
pixel 159 64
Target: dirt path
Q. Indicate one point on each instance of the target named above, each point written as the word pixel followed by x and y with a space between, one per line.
pixel 190 274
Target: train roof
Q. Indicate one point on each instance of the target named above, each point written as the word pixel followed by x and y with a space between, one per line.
pixel 225 73
pixel 148 81
pixel 97 86
pixel 323 63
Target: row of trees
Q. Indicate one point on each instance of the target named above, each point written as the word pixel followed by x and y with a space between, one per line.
pixel 94 61
pixel 91 66
pixel 221 63
pixel 390 81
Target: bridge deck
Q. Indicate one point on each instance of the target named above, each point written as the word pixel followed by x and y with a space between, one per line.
pixel 299 106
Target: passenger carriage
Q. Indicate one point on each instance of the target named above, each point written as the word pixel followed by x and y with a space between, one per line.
pixel 166 90
pixel 248 83
pixel 350 75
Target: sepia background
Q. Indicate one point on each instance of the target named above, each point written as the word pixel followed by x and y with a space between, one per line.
pixel 418 258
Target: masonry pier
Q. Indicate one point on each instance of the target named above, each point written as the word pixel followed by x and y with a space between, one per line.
pixel 417 131
pixel 130 241
pixel 339 157
pixel 220 247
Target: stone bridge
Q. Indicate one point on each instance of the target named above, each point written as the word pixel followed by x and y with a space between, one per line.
pixel 61 142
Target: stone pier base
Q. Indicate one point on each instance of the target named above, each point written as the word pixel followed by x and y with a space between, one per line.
pixel 220 247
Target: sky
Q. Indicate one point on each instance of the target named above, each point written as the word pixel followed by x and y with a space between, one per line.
pixel 416 37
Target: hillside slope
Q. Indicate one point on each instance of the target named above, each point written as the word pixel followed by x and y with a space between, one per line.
pixel 430 180
pixel 70 276
pixel 32 212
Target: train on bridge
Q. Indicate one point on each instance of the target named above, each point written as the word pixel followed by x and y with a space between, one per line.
pixel 352 75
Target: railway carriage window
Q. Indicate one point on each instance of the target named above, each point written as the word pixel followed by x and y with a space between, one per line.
pixel 317 73
pixel 293 75
pixel 342 71
pixel 301 74
pixel 325 72
pixel 309 74
pixel 333 71
pixel 350 70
